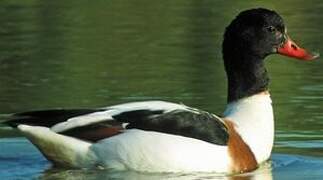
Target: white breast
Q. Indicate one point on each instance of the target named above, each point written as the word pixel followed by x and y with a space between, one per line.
pixel 254 121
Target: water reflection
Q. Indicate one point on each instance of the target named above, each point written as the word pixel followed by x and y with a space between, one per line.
pixel 283 166
pixel 263 173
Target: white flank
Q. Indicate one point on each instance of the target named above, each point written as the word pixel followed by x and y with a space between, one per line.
pixel 254 121
pixel 149 151
pixel 139 150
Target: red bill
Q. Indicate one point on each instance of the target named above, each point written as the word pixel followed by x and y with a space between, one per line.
pixel 291 49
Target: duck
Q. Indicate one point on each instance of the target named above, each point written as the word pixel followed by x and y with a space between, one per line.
pixel 159 136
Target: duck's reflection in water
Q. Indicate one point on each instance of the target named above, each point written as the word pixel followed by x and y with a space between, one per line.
pixel 264 172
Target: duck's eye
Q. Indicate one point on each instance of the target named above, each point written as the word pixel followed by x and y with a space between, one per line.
pixel 271 29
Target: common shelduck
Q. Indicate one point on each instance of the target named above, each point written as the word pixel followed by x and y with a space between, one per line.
pixel 158 136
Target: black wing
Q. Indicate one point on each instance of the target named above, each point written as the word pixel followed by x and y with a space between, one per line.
pixel 46 118
pixel 189 123
pixel 97 124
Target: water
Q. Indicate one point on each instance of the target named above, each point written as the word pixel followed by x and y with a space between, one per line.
pixel 84 54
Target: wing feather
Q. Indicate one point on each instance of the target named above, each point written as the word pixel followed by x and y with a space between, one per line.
pixel 160 116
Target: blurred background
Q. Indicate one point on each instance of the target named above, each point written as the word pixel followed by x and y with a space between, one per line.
pixel 74 54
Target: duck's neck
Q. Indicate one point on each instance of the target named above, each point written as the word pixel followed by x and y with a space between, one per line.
pixel 246 75
pixel 254 121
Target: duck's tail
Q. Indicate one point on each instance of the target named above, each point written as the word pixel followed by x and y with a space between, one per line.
pixel 61 150
pixel 46 118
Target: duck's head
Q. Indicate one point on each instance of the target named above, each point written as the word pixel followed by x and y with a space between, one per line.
pixel 249 38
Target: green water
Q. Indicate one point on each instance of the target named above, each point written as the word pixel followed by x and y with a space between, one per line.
pixel 67 54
